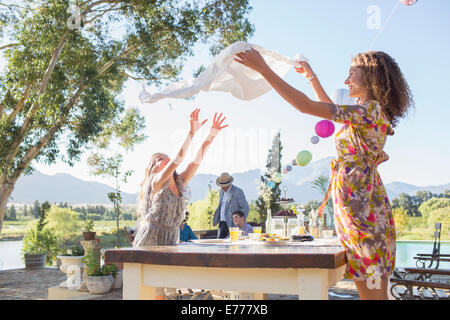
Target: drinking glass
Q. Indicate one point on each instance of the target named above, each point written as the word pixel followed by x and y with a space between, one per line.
pixel 257 229
pixel 234 234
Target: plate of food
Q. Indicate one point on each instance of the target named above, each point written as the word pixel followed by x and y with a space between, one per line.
pixel 272 239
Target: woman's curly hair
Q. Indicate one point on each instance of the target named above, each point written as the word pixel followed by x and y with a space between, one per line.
pixel 385 84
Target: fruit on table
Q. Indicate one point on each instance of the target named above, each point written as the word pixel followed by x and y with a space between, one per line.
pixel 285 213
pixel 302 237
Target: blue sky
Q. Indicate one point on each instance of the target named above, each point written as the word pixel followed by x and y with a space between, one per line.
pixel 328 33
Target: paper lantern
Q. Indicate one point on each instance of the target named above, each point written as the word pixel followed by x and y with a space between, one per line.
pixel 285 171
pixel 324 128
pixel 303 158
pixel 294 162
pixel 408 2
pixel 289 168
pixel 315 140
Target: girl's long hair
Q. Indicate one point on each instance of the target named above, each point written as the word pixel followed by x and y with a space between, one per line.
pixel 385 83
pixel 144 200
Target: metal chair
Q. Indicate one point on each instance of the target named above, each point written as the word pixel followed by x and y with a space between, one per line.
pixel 420 284
pixel 435 257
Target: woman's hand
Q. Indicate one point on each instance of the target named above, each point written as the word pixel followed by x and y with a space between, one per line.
pixel 305 69
pixel 217 125
pixel 252 59
pixel 195 123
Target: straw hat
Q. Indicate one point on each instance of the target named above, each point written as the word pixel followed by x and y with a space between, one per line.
pixel 224 180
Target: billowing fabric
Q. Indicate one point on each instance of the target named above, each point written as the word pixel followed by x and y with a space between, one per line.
pixel 225 74
pixel 363 216
pixel 161 215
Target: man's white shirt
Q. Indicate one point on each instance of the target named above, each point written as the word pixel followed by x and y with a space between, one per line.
pixel 226 195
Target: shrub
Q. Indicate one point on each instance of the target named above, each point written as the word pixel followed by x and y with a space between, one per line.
pixel 433 204
pixel 401 219
pixel 45 241
pixel 64 221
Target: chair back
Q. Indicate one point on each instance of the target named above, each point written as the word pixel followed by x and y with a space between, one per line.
pixel 437 241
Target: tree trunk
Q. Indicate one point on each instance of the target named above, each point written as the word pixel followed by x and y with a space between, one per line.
pixel 5 192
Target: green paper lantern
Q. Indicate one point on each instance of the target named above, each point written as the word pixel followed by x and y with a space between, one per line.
pixel 303 158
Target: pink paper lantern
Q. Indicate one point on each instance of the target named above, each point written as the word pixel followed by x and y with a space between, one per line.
pixel 324 128
pixel 408 2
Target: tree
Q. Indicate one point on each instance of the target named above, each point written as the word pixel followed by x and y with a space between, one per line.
pixel 67 91
pixel 11 213
pixel 321 183
pixel 213 196
pixel 112 167
pixel 401 219
pixel 273 163
pixel 35 210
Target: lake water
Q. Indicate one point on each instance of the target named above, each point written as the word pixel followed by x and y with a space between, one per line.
pixel 406 250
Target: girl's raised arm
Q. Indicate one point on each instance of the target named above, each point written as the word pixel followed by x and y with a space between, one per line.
pixel 190 171
pixel 161 178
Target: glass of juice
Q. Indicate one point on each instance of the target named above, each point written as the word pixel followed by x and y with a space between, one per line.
pixel 234 234
pixel 257 229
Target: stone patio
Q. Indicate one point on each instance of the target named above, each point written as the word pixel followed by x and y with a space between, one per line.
pixel 33 284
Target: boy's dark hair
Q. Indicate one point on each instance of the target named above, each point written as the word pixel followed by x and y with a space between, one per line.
pixel 240 213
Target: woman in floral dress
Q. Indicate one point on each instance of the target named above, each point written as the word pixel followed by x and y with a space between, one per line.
pixel 364 221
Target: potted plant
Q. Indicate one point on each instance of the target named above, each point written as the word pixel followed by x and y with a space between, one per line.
pixel 88 232
pixel 99 280
pixel 71 256
pixel 72 264
pixel 39 244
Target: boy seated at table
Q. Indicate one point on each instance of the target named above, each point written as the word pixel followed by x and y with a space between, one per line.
pixel 186 233
pixel 239 221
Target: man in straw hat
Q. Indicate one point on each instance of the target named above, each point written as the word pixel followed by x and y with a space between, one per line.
pixel 232 199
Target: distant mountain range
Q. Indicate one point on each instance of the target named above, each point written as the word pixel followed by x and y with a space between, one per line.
pixel 63 187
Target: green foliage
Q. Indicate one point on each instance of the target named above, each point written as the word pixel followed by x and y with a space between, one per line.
pixel 201 212
pixel 401 220
pixel 432 204
pixel 88 225
pixel 112 167
pixel 273 163
pixel 441 215
pixel 43 241
pixel 63 221
pixel 412 203
pixel 75 251
pixel 92 265
pixel 253 214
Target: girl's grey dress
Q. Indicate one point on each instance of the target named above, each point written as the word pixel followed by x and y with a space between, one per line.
pixel 160 215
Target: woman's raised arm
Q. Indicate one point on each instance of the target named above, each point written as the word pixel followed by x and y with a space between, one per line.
pixel 253 60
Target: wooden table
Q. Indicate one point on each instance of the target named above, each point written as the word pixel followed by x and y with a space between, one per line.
pixel 305 269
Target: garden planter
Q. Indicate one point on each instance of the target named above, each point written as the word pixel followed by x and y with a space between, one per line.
pixel 99 284
pixel 73 267
pixel 88 235
pixel 118 280
pixel 35 260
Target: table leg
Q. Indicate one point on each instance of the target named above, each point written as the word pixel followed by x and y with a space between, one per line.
pixel 312 284
pixel 239 295
pixel 132 284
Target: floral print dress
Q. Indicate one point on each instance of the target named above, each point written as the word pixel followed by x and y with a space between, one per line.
pixel 363 217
